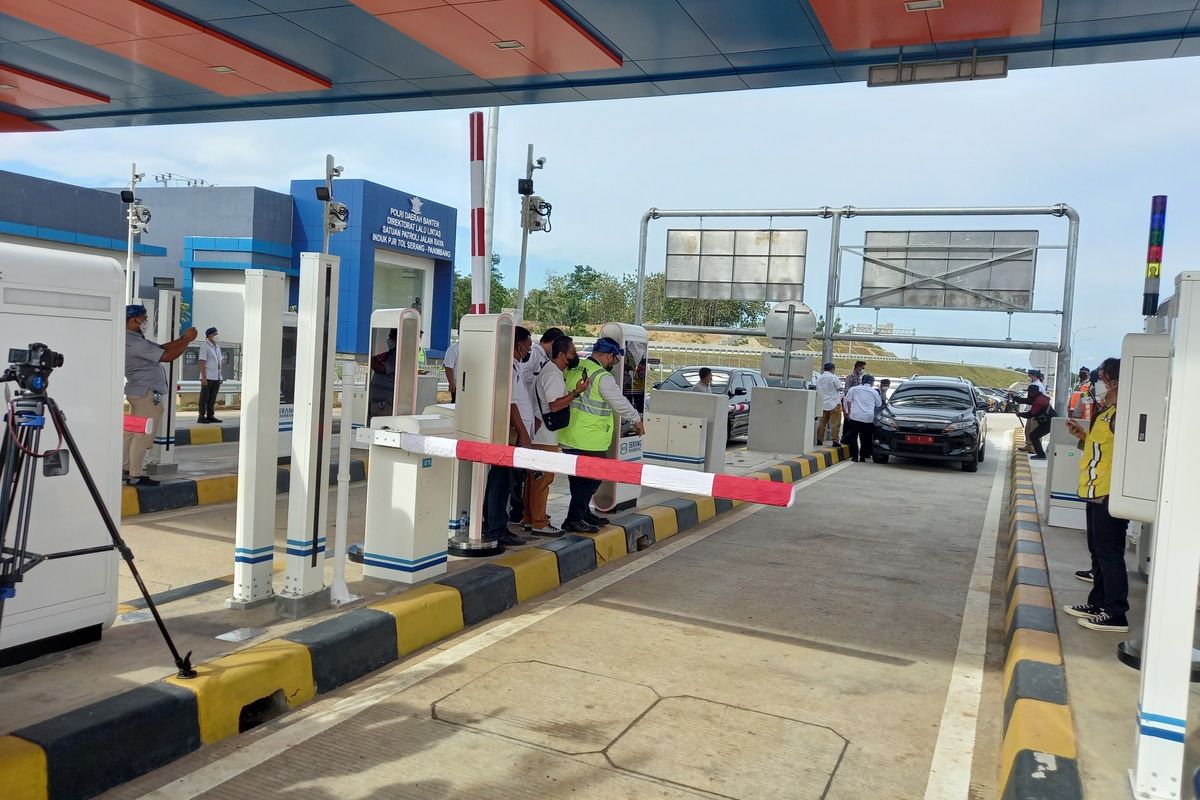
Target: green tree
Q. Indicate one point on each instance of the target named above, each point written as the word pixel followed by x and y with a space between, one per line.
pixel 657 308
pixel 502 296
pixel 837 324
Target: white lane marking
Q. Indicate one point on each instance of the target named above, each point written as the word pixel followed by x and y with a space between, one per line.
pixel 323 715
pixel 950 771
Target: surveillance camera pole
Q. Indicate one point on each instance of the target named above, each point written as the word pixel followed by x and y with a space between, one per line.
pixel 329 173
pixel 529 168
pixel 131 287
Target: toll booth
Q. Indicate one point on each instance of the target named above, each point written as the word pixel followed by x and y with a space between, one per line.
pixel 630 373
pixel 74 304
pixel 483 388
pixel 395 343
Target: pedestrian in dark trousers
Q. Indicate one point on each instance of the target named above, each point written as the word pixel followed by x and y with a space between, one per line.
pixel 210 376
pixel 1108 603
pixel 861 404
pixel 1040 413
pixel 498 489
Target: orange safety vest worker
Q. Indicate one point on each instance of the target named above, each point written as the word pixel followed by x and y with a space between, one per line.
pixel 1081 404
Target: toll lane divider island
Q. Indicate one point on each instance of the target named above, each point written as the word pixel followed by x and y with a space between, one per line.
pixel 148 727
pixel 1038 753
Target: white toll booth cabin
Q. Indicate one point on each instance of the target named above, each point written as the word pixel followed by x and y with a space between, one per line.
pixel 483 389
pixel 74 304
pixel 392 381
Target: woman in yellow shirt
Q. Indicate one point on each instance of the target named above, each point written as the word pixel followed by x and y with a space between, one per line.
pixel 1108 602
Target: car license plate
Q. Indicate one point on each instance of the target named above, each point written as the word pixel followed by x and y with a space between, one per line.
pixel 916 438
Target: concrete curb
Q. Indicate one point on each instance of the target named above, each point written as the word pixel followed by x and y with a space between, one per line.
pixel 58 758
pixel 187 492
pixel 1038 753
pixel 215 434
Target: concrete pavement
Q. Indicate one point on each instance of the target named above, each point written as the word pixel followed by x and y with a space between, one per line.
pixel 794 653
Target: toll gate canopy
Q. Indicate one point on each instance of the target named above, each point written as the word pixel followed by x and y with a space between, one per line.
pixel 68 64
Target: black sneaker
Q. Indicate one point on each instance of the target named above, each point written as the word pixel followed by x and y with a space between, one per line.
pixel 595 519
pixel 1037 458
pixel 1085 575
pixel 146 480
pixel 1105 622
pixel 571 526
pixel 201 421
pixel 509 540
pixel 1083 610
pixel 214 419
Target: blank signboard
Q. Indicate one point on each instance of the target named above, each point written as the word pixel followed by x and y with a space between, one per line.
pixel 736 264
pixel 974 270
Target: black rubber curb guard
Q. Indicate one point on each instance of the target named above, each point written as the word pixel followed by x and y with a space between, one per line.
pixel 188 492
pixel 1038 751
pixel 89 750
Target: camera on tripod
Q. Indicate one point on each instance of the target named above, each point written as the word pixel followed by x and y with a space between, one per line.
pixel 30 367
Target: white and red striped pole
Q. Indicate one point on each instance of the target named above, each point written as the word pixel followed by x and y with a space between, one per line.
pixel 706 484
pixel 480 268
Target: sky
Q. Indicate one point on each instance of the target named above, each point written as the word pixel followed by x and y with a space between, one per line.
pixel 1102 138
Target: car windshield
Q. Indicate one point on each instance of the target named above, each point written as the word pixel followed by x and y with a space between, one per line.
pixel 931 397
pixel 686 379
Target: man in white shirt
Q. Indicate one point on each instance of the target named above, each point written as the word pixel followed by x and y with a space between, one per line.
pixel 860 405
pixel 503 507
pixel 539 356
pixel 210 376
pixel 550 396
pixel 704 385
pixel 829 389
pixel 449 364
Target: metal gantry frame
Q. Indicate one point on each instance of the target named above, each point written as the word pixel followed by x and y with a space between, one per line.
pixel 1062 347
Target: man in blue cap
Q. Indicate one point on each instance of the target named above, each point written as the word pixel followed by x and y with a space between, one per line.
pixel 145 387
pixel 210 376
pixel 590 431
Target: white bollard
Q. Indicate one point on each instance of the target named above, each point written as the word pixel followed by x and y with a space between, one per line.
pixel 262 345
pixel 339 593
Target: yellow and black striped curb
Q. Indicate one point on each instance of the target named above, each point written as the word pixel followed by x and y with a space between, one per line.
pixel 1038 754
pixel 145 728
pixel 188 492
pixel 215 434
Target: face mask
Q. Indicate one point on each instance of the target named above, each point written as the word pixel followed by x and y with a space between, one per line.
pixel 525 357
pixel 573 362
pixel 1101 391
pixel 144 326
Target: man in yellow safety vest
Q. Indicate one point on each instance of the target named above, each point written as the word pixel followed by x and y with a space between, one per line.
pixel 590 431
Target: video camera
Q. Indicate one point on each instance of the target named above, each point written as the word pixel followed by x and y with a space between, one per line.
pixel 30 367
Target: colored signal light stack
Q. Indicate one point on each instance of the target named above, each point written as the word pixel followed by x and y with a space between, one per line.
pixel 1158 225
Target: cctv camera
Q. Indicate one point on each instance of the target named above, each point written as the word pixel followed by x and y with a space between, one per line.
pixel 541 162
pixel 339 217
pixel 336 171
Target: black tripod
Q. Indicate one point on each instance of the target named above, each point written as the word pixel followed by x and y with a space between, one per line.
pixel 27 414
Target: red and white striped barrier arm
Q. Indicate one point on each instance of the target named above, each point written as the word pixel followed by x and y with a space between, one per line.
pixel 138 424
pixel 707 484
pixel 481 271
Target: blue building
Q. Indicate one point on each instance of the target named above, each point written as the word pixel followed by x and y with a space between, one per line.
pixel 42 213
pixel 396 252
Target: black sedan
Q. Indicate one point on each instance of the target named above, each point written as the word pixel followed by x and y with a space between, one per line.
pixel 933 418
pixel 737 384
